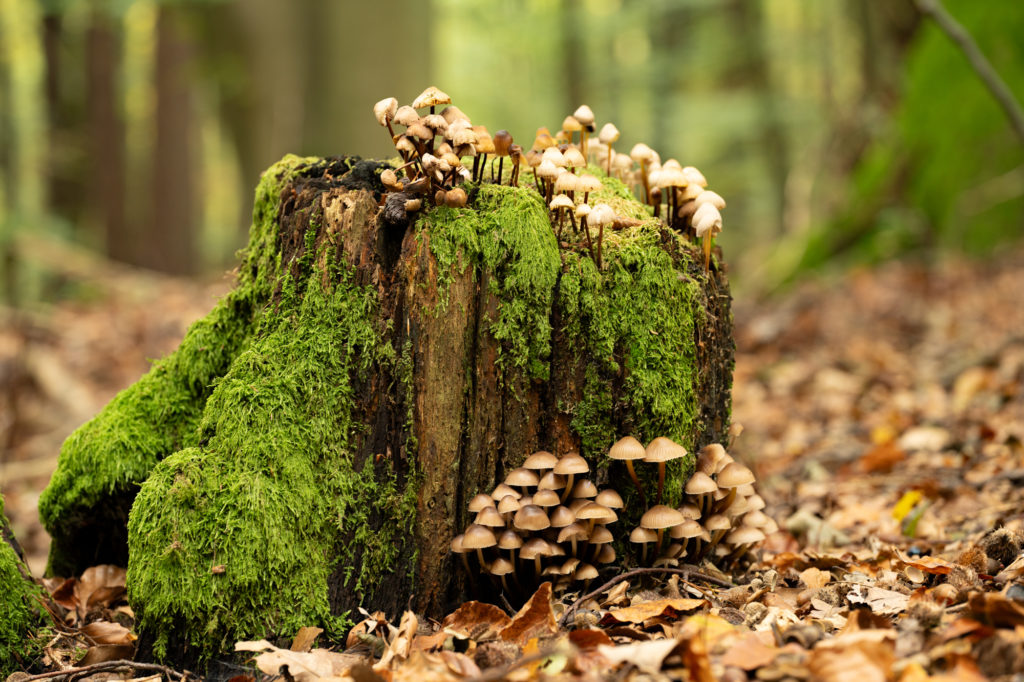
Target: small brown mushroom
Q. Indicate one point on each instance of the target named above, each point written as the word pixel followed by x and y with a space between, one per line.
pixel 479 538
pixel 570 465
pixel 659 451
pixel 658 518
pixel 628 450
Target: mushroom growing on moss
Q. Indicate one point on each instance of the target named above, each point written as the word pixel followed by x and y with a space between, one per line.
pixel 586 118
pixel 609 135
pixel 431 97
pixel 384 111
pixel 628 450
pixel 659 451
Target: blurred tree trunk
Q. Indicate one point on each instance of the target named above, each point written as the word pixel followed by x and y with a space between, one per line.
pixel 170 242
pixel 106 139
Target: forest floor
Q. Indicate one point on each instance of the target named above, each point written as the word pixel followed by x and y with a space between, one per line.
pixel 883 414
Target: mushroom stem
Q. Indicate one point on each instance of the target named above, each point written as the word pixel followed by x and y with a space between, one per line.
pixel 715 538
pixel 501 161
pixel 469 573
pixel 643 178
pixel 643 553
pixel 657 546
pixel 583 141
pixel 536 179
pixel 480 556
pixel 726 501
pixel 568 482
pixel 609 159
pixel 483 165
pixel 572 221
pixel 586 231
pixel 636 482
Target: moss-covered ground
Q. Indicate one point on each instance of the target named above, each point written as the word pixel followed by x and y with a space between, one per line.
pixel 20 613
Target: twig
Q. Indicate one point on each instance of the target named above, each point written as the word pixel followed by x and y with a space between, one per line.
pixel 112 665
pixel 687 572
pixel 959 35
pixel 500 673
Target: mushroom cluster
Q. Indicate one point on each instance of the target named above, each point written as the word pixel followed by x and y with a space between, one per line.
pixel 435 148
pixel 545 522
pixel 720 518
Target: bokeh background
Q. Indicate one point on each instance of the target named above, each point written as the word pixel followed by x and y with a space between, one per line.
pixel 132 132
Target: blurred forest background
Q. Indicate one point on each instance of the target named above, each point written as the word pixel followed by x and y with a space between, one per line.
pixel 132 134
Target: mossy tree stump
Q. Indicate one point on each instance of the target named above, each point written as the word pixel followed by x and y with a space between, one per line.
pixel 312 444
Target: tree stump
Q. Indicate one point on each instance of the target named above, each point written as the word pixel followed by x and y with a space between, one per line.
pixel 313 443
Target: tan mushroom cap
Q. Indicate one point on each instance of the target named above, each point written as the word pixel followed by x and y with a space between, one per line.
pixel 700 484
pixel 694 176
pixel 706 218
pixel 584 488
pixel 744 535
pixel 452 113
pixel 546 498
pixel 406 116
pixel 641 534
pixel 755 502
pixel 627 448
pixel 590 183
pixel 574 531
pixel 610 498
pixel 560 517
pixel 717 522
pixel 571 463
pixel 431 97
pixel 561 201
pixel 480 501
pixel 690 511
pixel 660 517
pixel 491 517
pixel 641 153
pixel 571 124
pixel 478 537
pixel 502 142
pixel 551 481
pixel 566 182
pixel 508 504
pixel 384 110
pixel 436 123
pixel 663 449
pixel 756 518
pixel 504 489
pixel 709 197
pixel 598 512
pixel 569 566
pixel 522 477
pixel 457 544
pixel 574 158
pixel 600 536
pixel 501 566
pixel 584 572
pixel 734 475
pixel 605 555
pixel 609 133
pixel 542 459
pixel 687 529
pixel 531 517
pixel 585 116
pixel 535 547
pixel 707 460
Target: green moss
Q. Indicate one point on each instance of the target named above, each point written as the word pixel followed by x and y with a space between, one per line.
pixel 274 486
pixel 508 233
pixel 20 615
pixel 114 452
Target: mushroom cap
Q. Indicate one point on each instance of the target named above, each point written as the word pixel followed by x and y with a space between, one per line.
pixel 584 572
pixel 709 197
pixel 457 544
pixel 605 555
pixel 555 156
pixel 673 165
pixel 452 113
pixel 584 488
pixel 747 490
pixel 531 517
pixel 456 197
pixel 547 169
pixel 690 511
pixel 567 182
pixel 543 140
pixel 551 481
pixel 542 459
pixel 504 489
pixel 571 463
pixel 571 124
pixel 671 177
pixel 478 537
pixel 641 534
pixel 627 448
pixel 600 536
pixel 663 449
pixel 522 477
pixel 560 517
pixel 490 517
pixel 583 210
pixel 598 512
pixel 744 535
pixel 501 566
pixel 585 116
pixel 574 531
pixel 756 518
pixel 601 214
pixel 609 133
pixel 739 506
pixel 717 522
pixel 622 162
pixel 431 97
pixel 569 566
pixel 709 456
pixel 734 475
pixel 508 504
pixel 694 176
pixel 610 498
pixel 484 142
pixel 706 218
pixel 509 539
pixel 502 142
pixel 480 501
pixel 687 529
pixel 535 547
pixel 406 116
pixel 754 502
pixel 700 484
pixel 561 200
pixel 641 153
pixel 690 193
pixel 546 498
pixel 436 123
pixel 589 183
pixel 385 109
pixel 420 131
pixel 660 517
pixel 465 137
pixel 574 158
pixel 413 205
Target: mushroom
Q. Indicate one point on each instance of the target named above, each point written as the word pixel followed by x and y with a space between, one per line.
pixel 609 134
pixel 504 489
pixel 658 518
pixel 742 539
pixel 543 139
pixel 643 537
pixel 480 501
pixel 642 154
pixel 669 181
pixel 535 549
pixel 701 486
pixel 501 567
pixel 570 125
pixel 462 551
pixel 707 460
pixel 502 147
pixel 570 465
pixel 551 481
pixel 574 159
pixel 573 533
pixel 541 461
pixel 431 97
pixel 406 116
pixel 567 183
pixel 515 153
pixel 629 449
pixel 587 183
pixel 546 172
pixel 716 525
pixel 685 531
pixel 490 517
pixel 593 513
pixel 560 517
pixel 605 555
pixel 694 176
pixel 479 538
pixel 661 450
pixel 601 215
pixel 586 573
pixel 609 498
pixel 730 478
pixel 599 536
pixel 546 498
pixel 384 111
pixel 530 517
pixel 559 205
pixel 584 489
pixel 413 205
pixel 707 222
pixel 586 118
pixel 456 197
pixel 522 478
pixel 582 214
pixel 507 506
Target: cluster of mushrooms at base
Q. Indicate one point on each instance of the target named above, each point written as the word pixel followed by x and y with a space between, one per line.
pixel 435 149
pixel 548 522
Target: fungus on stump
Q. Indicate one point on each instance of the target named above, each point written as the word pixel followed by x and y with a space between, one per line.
pixel 313 443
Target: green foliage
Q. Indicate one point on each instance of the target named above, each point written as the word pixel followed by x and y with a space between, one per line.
pixel 20 615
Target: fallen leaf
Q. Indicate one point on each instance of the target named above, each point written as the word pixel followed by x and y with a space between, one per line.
pixel 104 632
pixel 589 639
pixel 750 652
pixel 304 638
pixel 460 664
pixel 99 585
pixel 102 653
pixel 469 617
pixel 644 611
pixel 864 656
pixel 881 602
pixel 881 459
pixel 815 578
pixel 535 618
pixel 647 656
pixel 695 657
pixel 996 609
pixel 303 666
pixel 401 645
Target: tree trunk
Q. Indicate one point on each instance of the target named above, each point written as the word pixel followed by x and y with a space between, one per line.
pixel 369 376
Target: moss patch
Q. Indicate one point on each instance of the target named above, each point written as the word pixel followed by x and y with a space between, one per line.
pixel 273 486
pixel 104 461
pixel 19 611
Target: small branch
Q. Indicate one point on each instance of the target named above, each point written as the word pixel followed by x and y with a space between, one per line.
pixel 107 666
pixel 688 572
pixel 959 35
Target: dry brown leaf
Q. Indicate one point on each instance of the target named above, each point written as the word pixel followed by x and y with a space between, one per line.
pixel 815 578
pixel 105 632
pixel 751 652
pixel 928 564
pixel 644 611
pixel 997 610
pixel 460 664
pixel 881 602
pixel 102 653
pixel 881 459
pixel 864 656
pixel 303 666
pixel 707 626
pixel 469 618
pixel 535 619
pixel 401 645
pixel 589 639
pixel 695 657
pixel 304 638
pixel 647 656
